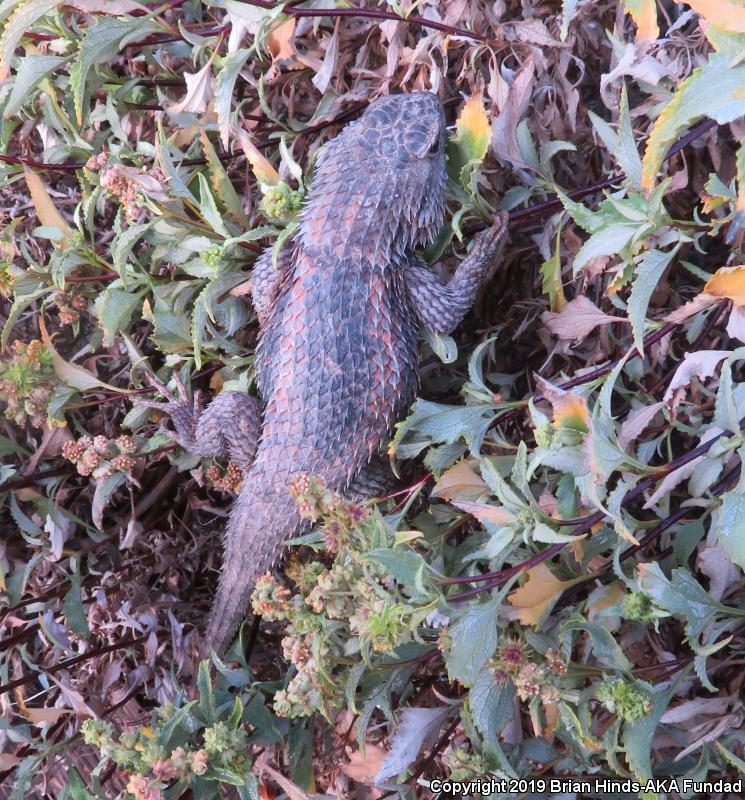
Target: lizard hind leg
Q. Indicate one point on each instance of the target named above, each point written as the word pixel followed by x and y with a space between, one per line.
pixel 374 480
pixel 230 424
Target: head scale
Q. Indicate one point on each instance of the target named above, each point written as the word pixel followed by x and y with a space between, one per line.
pixel 390 165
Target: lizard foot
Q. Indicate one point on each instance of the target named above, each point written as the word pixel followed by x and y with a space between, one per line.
pixel 489 242
pixel 183 412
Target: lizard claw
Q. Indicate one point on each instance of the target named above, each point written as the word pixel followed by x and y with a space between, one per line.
pixel 182 411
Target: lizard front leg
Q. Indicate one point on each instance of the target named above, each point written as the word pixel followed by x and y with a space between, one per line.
pixel 230 423
pixel 441 306
pixel 266 280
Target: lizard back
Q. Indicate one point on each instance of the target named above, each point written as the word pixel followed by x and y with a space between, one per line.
pixel 336 363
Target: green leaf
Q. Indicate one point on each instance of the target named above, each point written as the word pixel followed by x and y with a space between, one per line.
pixel 434 422
pixel 231 66
pixel 208 208
pixel 604 646
pixel 731 758
pixel 713 90
pixel 653 263
pixel 206 695
pixel 222 186
pixel 606 242
pixel 114 308
pixel 102 41
pixel 30 72
pixel 72 605
pixel 638 736
pixel 402 564
pixel 474 638
pixel 491 705
pixel 627 154
pixel 730 521
pixel 105 488
pixel 20 21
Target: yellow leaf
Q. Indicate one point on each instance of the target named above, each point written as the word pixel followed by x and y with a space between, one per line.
pixel 280 40
pixel 71 374
pixel 644 14
pixel 537 595
pixel 604 597
pixel 712 90
pixel 262 169
pixel 728 282
pixel 474 128
pixel 46 211
pixel 44 716
pixel 570 410
pixel 459 482
pixel 726 14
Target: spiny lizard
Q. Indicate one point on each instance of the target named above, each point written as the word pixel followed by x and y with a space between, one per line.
pixel 339 317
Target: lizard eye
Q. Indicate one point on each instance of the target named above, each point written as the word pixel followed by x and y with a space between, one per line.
pixel 435 146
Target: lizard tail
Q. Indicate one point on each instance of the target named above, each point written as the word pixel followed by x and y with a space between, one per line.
pixel 263 518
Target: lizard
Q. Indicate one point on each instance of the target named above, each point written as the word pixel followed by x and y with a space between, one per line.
pixel 339 321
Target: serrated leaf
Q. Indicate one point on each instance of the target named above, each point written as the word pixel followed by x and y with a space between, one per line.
pixel 627 153
pixel 24 16
pixel 102 41
pixel 491 705
pixel 648 273
pixel 230 68
pixel 114 309
pixel 638 736
pixel 695 98
pixel 604 646
pixel 607 242
pixel 72 604
pixel 418 729
pixel 730 522
pixel 403 564
pixel 31 70
pixel 474 638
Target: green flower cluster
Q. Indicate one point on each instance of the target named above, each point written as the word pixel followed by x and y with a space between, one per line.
pixel 280 203
pixel 629 701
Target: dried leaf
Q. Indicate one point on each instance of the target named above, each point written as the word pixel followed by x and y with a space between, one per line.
pixel 728 282
pixel 644 14
pixel 701 364
pixel 578 319
pixel 504 139
pixel 459 482
pixel 200 88
pixel 535 598
pixel 279 40
pixel 46 210
pixel 262 169
pixel 635 424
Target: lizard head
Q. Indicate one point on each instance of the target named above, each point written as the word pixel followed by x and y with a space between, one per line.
pixel 386 169
pixel 405 134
